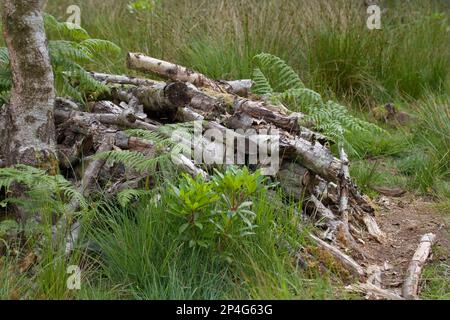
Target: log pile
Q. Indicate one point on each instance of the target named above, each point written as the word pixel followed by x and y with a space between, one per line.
pixel 308 169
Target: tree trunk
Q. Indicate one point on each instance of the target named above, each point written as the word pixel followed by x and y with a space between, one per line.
pixel 30 130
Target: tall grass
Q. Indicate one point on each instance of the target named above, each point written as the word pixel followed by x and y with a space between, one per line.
pixel 429 158
pixel 327 42
pixel 143 252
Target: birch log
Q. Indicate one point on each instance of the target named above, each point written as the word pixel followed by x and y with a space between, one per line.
pixel 120 79
pixel 239 87
pixel 313 156
pixel 170 70
pixel 411 284
pixel 258 110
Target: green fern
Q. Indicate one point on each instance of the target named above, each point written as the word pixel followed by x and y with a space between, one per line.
pixel 43 191
pixel 70 53
pixel 261 84
pixel 125 197
pixel 280 84
pixel 278 74
pixel 161 162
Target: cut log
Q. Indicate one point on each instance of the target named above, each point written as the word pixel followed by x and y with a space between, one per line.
pixel 239 87
pixel 170 71
pixel 313 156
pixel 411 283
pixel 162 98
pixel 344 259
pixel 258 110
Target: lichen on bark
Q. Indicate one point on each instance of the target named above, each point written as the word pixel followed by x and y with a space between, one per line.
pixel 29 131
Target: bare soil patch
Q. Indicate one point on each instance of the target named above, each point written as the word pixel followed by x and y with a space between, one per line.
pixel 405 220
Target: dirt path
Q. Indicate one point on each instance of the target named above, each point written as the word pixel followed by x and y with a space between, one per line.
pixel 405 220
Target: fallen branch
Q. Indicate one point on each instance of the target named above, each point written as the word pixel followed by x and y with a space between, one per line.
pixel 188 166
pixel 126 120
pixel 169 70
pixel 373 228
pixel 313 156
pixel 89 177
pixel 119 79
pixel 344 259
pixel 411 283
pixel 374 291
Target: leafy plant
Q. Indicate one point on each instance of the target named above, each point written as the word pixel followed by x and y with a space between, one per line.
pixel 71 51
pixel 217 212
pixel 277 81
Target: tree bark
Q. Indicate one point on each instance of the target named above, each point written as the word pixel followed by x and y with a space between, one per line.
pixel 30 129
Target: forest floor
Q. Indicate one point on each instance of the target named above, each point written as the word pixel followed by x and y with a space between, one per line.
pixel 404 220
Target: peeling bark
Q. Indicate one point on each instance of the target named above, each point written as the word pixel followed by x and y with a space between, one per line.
pixel 313 156
pixel 119 79
pixel 169 70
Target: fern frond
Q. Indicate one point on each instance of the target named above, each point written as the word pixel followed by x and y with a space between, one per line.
pixel 64 49
pixel 281 76
pixel 4 58
pixel 65 30
pixel 303 97
pixel 135 160
pixel 41 187
pixel 124 197
pixel 98 47
pixel 261 84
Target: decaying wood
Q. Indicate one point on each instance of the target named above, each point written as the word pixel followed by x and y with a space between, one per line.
pixel 411 283
pixel 2 163
pixel 126 120
pixel 373 228
pixel 313 156
pixel 188 166
pixel 373 291
pixel 344 259
pixel 121 79
pixel 162 98
pixel 258 110
pixel 63 103
pixel 169 70
pixel 374 275
pixel 308 168
pixel 239 87
pixel 89 178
